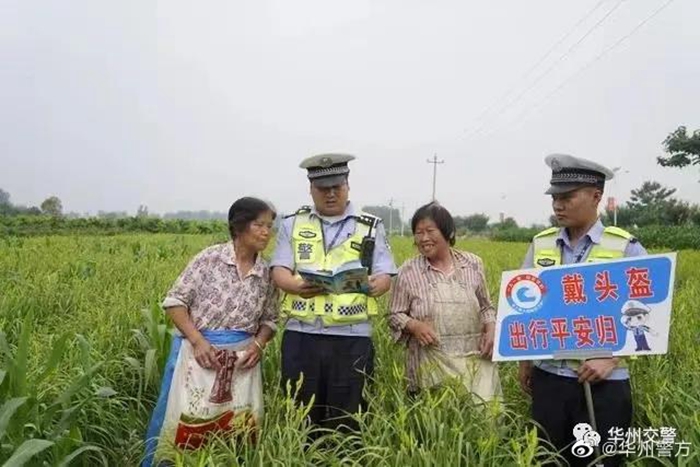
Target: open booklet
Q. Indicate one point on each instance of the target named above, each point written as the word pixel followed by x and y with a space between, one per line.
pixel 348 278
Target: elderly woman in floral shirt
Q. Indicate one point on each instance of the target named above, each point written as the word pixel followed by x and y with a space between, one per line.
pixel 225 309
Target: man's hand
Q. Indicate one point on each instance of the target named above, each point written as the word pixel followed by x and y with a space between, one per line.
pixel 307 290
pixel 525 377
pixel 423 332
pixel 253 354
pixel 488 331
pixel 596 370
pixel 286 281
pixel 205 355
pixel 379 284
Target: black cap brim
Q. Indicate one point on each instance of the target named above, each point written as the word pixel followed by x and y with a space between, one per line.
pixel 327 182
pixel 560 188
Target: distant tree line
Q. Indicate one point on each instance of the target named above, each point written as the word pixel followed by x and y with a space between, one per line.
pixel 650 206
pixel 51 206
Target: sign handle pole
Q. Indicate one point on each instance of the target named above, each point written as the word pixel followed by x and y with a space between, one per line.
pixel 591 412
pixel 582 356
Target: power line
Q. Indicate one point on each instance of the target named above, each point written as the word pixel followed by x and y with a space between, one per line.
pixel 585 67
pixel 534 67
pixel 561 58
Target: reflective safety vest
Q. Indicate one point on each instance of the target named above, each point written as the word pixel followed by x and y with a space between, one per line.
pixel 309 250
pixel 612 245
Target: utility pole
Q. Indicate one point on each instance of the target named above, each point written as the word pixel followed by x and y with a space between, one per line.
pixel 391 215
pixel 403 219
pixel 435 163
pixel 616 170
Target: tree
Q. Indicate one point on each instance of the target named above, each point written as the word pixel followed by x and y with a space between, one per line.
pixel 4 198
pixel 650 194
pixel 654 204
pixel 52 206
pixel 508 223
pixel 196 215
pixel 474 223
pixel 626 217
pixel 683 149
pixel 391 217
pixel 6 208
pixel 31 211
pixel 112 215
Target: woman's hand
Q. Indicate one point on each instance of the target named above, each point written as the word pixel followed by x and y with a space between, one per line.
pixel 525 376
pixel 205 354
pixel 253 354
pixel 423 332
pixel 488 332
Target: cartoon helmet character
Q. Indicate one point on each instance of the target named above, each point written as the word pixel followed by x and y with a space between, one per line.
pixel 634 313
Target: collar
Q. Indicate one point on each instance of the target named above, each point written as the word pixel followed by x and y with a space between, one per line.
pixel 349 212
pixel 594 234
pixel 228 256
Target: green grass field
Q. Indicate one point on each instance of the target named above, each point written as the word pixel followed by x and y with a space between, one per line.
pixel 84 342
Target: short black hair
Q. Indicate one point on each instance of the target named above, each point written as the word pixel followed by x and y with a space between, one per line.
pixel 244 211
pixel 442 218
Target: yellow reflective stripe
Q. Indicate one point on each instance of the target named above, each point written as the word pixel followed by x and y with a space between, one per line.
pixel 612 230
pixel 549 231
pixel 614 243
pixel 548 242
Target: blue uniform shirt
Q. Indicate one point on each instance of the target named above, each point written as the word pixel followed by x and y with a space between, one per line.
pixel 569 256
pixel 341 228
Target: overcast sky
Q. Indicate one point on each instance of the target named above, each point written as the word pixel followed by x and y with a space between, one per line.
pixel 184 105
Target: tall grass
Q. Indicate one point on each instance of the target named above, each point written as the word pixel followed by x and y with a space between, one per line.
pixel 80 316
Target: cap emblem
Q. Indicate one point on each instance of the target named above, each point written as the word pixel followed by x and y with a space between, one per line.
pixel 556 165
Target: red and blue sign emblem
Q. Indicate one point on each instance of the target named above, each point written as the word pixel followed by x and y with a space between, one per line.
pixel 525 292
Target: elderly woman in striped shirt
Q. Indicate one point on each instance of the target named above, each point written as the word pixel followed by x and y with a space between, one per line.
pixel 441 309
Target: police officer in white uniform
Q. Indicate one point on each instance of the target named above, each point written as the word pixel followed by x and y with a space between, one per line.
pixel 558 402
pixel 328 337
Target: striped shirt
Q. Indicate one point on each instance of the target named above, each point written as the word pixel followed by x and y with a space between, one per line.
pixel 411 299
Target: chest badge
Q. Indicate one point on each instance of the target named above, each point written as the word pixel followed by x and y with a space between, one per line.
pixel 305 250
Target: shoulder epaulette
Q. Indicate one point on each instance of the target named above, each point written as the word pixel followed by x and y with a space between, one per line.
pixel 301 210
pixel 549 231
pixel 612 230
pixel 368 219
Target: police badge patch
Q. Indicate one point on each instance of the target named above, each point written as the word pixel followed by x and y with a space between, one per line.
pixel 356 246
pixel 545 262
pixel 307 234
pixel 305 250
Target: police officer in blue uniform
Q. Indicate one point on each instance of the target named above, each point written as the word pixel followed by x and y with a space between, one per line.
pixel 328 337
pixel 558 401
